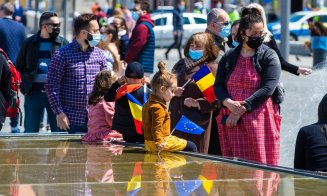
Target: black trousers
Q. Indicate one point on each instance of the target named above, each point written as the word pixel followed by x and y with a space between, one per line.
pixel 214 144
pixel 178 38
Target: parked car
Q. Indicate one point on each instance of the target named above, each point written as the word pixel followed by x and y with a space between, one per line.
pixel 193 23
pixel 298 25
pixel 163 9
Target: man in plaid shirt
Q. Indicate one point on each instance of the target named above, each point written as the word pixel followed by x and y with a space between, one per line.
pixel 71 75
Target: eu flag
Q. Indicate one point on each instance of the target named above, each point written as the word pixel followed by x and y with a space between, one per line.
pixel 185 188
pixel 187 126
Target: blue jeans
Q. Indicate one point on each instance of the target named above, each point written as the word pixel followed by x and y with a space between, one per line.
pixel 14 121
pixel 35 102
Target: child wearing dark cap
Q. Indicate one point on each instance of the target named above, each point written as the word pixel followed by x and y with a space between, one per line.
pixel 132 83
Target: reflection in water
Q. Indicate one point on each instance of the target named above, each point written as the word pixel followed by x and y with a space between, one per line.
pixel 160 168
pixel 66 167
pixel 9 173
pixel 175 174
pixel 303 187
pixel 99 164
pixel 245 181
pixel 204 177
pixel 72 168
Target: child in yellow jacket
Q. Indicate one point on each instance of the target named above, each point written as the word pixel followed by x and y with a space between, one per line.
pixel 156 118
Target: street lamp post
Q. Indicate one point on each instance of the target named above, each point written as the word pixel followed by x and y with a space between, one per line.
pixel 35 16
pixel 285 17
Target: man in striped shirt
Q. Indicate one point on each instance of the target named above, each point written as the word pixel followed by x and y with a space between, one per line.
pixel 71 75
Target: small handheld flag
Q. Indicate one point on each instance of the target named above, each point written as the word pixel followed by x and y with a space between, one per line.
pixel 136 110
pixel 205 80
pixel 145 95
pixel 187 126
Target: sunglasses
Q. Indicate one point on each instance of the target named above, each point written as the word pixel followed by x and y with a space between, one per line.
pixel 225 24
pixel 53 24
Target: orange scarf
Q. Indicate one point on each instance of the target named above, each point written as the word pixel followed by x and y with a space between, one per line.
pixel 126 88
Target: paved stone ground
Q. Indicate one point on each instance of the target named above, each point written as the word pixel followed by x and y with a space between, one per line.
pixel 303 94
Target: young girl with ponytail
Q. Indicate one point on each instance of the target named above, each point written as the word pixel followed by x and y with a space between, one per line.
pixel 156 118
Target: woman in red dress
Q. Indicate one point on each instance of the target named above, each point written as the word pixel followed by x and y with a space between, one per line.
pixel 249 122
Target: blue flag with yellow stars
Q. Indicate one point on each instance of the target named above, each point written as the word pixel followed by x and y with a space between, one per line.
pixel 187 126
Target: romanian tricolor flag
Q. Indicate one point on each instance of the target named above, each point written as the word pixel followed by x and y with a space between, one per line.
pixel 208 176
pixel 204 79
pixel 136 110
pixel 134 185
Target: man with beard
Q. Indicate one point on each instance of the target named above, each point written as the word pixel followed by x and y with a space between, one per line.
pixel 72 73
pixel 33 63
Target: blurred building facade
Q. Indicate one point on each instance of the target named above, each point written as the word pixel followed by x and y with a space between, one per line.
pixel 79 5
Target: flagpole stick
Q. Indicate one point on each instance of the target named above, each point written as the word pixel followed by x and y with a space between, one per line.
pixel 164 165
pixel 186 83
pixel 166 140
pixel 144 93
pixel 162 159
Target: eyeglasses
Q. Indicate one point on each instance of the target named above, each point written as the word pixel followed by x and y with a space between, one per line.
pixel 54 25
pixel 225 24
pixel 261 35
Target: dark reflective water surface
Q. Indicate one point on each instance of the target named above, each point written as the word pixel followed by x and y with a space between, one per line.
pixel 62 166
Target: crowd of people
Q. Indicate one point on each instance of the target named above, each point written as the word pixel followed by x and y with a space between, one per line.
pixel 96 84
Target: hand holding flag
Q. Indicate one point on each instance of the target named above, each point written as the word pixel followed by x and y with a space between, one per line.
pixel 187 126
pixel 186 83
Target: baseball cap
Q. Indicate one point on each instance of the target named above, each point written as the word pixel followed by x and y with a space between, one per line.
pixel 134 70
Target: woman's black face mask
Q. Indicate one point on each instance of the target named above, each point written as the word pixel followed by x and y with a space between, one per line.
pixel 255 41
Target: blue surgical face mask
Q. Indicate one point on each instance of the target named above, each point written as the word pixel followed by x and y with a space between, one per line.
pixel 135 16
pixel 103 37
pixel 235 43
pixel 94 41
pixel 225 31
pixel 195 54
pixel 181 7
